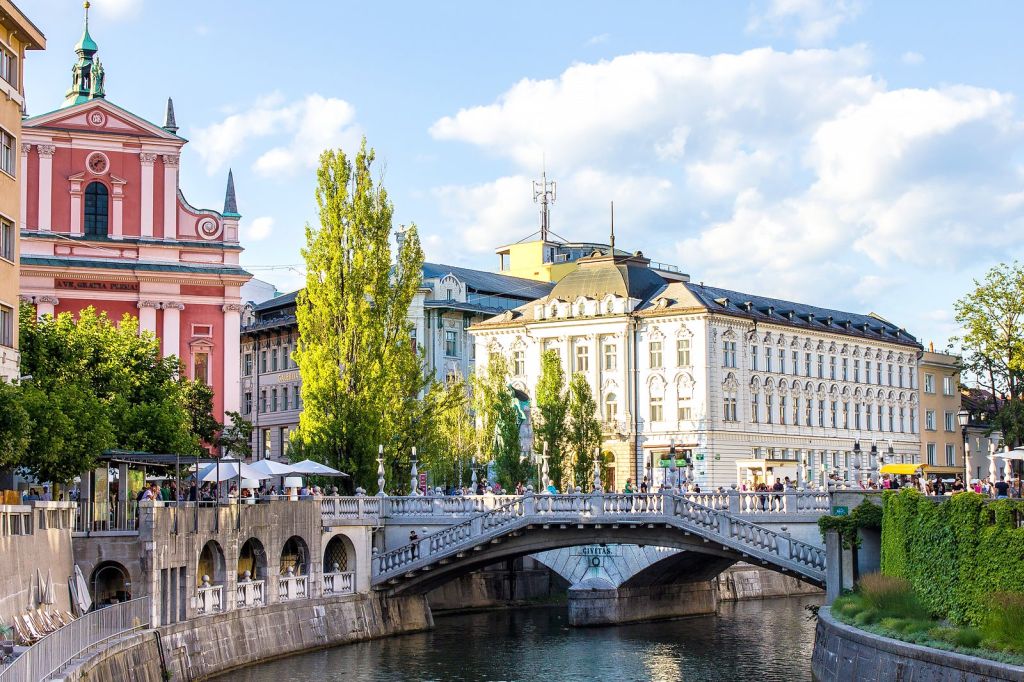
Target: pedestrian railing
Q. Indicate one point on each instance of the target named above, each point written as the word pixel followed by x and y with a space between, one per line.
pixel 291 586
pixel 55 651
pixel 721 525
pixel 211 598
pixel 250 593
pixel 341 582
pixel 101 516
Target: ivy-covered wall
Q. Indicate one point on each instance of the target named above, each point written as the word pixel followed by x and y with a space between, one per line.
pixel 955 553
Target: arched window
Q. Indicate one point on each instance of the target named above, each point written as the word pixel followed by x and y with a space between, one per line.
pixel 96 210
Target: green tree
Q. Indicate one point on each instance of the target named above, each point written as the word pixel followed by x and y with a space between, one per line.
pixel 992 316
pixel 15 426
pixel 549 426
pixel 97 385
pixel 198 399
pixel 450 447
pixel 510 465
pixel 583 435
pixel 489 390
pixel 236 437
pixel 360 373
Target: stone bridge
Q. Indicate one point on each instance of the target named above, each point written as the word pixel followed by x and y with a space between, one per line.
pixel 716 530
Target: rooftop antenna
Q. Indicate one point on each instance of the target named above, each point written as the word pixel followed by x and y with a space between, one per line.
pixel 544 192
pixel 611 251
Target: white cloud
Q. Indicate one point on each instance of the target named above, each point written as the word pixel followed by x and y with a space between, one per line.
pixel 117 9
pixel 598 39
pixel 912 58
pixel 797 174
pixel 298 130
pixel 810 22
pixel 257 229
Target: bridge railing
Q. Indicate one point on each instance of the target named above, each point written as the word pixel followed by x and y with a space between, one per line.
pixel 739 533
pixel 446 508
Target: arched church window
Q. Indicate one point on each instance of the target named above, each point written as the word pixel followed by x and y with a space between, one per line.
pixel 97 206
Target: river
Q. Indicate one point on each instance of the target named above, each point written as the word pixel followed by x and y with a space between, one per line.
pixel 759 641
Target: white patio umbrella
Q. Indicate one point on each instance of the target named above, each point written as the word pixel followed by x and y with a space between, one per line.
pixel 271 468
pixel 225 471
pixel 308 466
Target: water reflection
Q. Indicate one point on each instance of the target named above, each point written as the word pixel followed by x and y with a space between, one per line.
pixel 766 641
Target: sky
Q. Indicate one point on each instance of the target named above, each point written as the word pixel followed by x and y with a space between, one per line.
pixel 858 155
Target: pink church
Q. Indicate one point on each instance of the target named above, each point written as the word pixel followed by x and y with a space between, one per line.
pixel 105 224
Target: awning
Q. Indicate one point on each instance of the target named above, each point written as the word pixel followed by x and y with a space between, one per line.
pixel 902 469
pixel 932 469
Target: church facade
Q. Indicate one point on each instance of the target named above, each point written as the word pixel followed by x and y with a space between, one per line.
pixel 104 223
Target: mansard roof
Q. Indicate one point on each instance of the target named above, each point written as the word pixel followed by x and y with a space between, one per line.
pixel 599 275
pixel 490 282
pixel 789 313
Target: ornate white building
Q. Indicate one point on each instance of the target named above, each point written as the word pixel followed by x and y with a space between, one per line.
pixel 745 387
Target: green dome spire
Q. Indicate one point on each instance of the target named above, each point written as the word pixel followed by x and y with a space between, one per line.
pixel 86 45
pixel 87 74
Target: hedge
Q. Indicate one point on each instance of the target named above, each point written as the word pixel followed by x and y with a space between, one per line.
pixel 956 552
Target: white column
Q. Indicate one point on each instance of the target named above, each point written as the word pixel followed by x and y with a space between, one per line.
pixel 76 207
pixel 146 185
pixel 45 305
pixel 23 181
pixel 231 356
pixel 117 209
pixel 147 316
pixel 171 335
pixel 46 152
pixel 170 196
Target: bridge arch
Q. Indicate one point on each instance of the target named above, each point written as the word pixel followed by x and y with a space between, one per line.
pixel 211 563
pixel 252 557
pixel 295 556
pixel 110 583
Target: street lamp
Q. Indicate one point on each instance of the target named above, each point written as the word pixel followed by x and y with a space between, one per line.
pixel 876 463
pixel 964 417
pixel 857 460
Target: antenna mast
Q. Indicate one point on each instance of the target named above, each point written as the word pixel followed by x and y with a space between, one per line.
pixel 544 193
pixel 611 251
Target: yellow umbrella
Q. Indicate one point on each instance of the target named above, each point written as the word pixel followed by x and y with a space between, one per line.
pixel 902 469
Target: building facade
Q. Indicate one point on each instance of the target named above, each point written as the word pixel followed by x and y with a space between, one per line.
pixel 105 224
pixel 449 300
pixel 942 444
pixel 18 35
pixel 984 439
pixel 747 388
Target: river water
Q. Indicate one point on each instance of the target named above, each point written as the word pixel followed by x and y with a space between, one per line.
pixel 757 641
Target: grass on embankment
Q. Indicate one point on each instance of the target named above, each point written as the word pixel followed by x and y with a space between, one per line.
pixel 888 607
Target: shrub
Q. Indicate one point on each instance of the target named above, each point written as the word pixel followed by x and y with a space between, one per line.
pixel 967 637
pixel 866 617
pixel 891 596
pixel 1005 623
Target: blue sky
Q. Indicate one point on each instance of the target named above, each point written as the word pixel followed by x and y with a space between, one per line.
pixel 854 154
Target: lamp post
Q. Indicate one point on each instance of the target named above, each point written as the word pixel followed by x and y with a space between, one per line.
pixel 964 417
pixel 876 461
pixel 857 461
pixel 414 481
pixel 380 471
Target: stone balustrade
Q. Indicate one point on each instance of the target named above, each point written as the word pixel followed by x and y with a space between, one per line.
pixel 250 593
pixel 723 525
pixel 339 582
pixel 210 598
pixel 291 586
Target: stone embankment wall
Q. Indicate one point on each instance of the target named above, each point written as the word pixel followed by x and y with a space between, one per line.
pixel 209 645
pixel 35 540
pixel 502 584
pixel 743 581
pixel 843 653
pixel 597 602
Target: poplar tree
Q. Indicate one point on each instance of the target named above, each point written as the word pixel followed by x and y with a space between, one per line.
pixel 550 414
pixel 360 373
pixel 584 431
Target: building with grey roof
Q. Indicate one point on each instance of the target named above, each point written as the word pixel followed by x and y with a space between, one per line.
pixel 744 388
pixel 449 300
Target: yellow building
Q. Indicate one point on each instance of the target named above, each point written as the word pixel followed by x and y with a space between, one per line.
pixel 942 445
pixel 17 35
